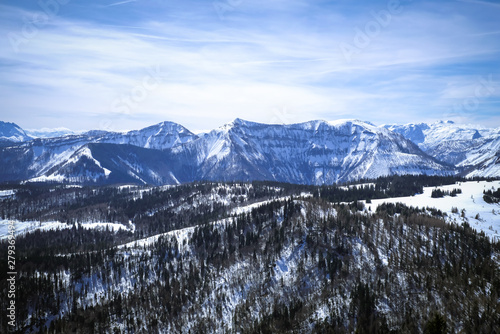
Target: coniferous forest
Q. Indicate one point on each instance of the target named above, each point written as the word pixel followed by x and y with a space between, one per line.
pixel 260 257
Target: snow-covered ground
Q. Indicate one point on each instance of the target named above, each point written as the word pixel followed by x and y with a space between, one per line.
pixel 479 214
pixel 23 227
pixel 357 186
pixel 30 226
pixel 7 193
pixel 248 208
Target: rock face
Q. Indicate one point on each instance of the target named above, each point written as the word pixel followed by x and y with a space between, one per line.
pixel 473 150
pixel 315 152
pixel 40 159
pixel 11 133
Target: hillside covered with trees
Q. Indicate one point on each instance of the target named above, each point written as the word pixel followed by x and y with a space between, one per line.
pixel 246 258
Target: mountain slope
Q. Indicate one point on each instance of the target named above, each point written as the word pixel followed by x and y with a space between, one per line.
pixel 37 158
pixel 243 258
pixel 483 160
pixel 314 152
pixel 112 163
pixel 457 144
pixel 474 149
pixel 12 133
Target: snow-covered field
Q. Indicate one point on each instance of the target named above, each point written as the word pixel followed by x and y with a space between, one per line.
pixel 7 193
pixel 479 214
pixel 23 227
pixel 248 208
pixel 30 226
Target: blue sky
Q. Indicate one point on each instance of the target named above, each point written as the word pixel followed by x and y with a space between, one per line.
pixel 127 64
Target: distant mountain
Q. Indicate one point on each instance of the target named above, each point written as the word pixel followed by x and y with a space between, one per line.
pixel 468 147
pixel 161 136
pixel 12 133
pixel 112 163
pixel 49 133
pixel 314 152
pixel 430 136
pixel 39 158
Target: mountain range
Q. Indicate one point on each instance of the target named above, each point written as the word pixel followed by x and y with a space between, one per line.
pixel 475 151
pixel 314 152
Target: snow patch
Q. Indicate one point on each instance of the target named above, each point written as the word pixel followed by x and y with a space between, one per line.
pixel 478 214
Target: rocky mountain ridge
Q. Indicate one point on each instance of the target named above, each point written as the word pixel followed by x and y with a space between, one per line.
pixel 314 152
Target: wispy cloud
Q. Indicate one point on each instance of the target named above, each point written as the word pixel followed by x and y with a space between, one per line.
pixel 258 60
pixel 487 3
pixel 487 33
pixel 120 3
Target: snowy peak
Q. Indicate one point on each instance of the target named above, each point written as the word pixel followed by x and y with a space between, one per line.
pixel 447 131
pixel 413 132
pixel 161 136
pixel 12 133
pixel 428 136
pixel 81 167
pixel 38 157
pixel 462 145
pixel 164 128
pixel 314 152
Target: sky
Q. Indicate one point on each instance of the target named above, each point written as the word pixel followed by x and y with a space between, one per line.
pixel 127 64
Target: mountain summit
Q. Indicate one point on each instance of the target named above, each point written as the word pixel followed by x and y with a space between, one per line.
pixel 12 133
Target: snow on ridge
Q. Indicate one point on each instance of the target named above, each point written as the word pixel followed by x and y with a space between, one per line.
pixel 23 227
pixel 46 178
pixel 88 153
pixel 184 233
pixel 249 207
pixel 7 193
pixel 74 158
pixel 181 234
pixel 340 122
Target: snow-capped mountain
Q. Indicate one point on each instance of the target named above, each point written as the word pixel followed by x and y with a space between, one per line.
pixel 12 133
pixel 39 158
pixel 315 152
pixel 473 148
pixel 161 136
pixel 484 158
pixel 113 163
pixel 430 136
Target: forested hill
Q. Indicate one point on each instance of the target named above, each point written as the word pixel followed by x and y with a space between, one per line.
pixel 244 258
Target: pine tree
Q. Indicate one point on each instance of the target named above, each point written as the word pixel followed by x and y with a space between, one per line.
pixel 436 325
